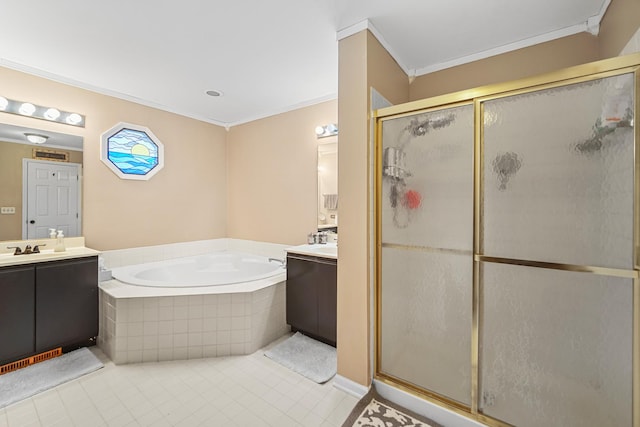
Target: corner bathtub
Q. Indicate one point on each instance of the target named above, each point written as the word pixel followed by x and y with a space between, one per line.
pixel 214 269
pixel 218 304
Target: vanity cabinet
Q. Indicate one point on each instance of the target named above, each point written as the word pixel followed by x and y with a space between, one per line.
pixel 312 296
pixel 47 305
pixel 66 303
pixel 17 313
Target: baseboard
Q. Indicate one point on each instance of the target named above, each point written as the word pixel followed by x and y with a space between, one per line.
pixel 348 386
pixel 430 410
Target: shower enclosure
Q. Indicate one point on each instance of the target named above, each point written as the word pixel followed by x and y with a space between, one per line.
pixel 507 249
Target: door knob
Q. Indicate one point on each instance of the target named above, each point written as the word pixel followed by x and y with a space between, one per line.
pixel 33 221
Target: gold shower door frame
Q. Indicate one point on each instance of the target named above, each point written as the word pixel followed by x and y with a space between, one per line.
pixel 607 68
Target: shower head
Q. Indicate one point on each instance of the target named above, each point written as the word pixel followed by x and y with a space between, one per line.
pixel 421 127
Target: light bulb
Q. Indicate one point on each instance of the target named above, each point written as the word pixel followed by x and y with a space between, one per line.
pixel 51 114
pixel 319 130
pixel 4 102
pixel 74 118
pixel 27 109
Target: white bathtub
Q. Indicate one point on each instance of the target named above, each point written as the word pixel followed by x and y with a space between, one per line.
pixel 166 310
pixel 213 269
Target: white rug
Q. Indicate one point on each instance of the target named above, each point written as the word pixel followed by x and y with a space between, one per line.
pixel 26 382
pixel 313 359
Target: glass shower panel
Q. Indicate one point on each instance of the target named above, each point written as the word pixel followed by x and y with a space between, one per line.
pixel 426 320
pixel 556 347
pixel 427 179
pixel 427 243
pixel 558 174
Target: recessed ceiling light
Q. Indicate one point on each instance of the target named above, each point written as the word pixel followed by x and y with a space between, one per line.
pixel 214 93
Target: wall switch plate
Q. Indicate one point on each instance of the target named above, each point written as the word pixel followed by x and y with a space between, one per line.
pixel 5 210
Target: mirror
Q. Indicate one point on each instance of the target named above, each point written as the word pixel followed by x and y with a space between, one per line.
pixel 52 170
pixel 328 185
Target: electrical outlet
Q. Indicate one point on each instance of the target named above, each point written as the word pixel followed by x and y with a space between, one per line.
pixel 5 210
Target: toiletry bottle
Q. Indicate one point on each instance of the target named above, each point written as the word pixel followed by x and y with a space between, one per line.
pixel 59 242
pixel 52 233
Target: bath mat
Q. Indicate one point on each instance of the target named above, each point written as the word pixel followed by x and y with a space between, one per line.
pixel 26 382
pixel 306 356
pixel 373 410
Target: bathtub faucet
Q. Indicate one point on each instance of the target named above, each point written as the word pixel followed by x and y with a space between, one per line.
pixel 284 263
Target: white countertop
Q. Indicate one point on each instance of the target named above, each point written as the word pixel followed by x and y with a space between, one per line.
pixel 327 250
pixel 78 250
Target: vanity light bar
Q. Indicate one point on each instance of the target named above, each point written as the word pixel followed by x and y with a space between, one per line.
pixel 39 112
pixel 326 130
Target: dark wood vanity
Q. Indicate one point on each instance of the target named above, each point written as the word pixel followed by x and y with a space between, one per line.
pixel 46 305
pixel 312 295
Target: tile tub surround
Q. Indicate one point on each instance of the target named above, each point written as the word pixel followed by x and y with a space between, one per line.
pixel 134 330
pixel 143 324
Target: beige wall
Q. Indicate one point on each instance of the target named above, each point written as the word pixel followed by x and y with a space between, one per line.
pixel 353 188
pixel 633 46
pixel 618 26
pixel 185 201
pixel 270 197
pixel 11 155
pixel 363 63
pixel 384 74
pixel 620 23
pixel 530 61
pixel 273 175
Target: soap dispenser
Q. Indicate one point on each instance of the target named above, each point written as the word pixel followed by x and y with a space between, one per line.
pixel 52 233
pixel 59 242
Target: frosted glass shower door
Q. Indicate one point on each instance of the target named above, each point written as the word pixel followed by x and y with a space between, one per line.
pixel 556 347
pixel 556 255
pixel 426 262
pixel 561 162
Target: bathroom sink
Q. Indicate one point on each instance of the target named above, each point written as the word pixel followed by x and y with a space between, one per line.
pixel 11 259
pixel 7 259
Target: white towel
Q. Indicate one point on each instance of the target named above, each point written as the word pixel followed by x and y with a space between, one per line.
pixel 331 201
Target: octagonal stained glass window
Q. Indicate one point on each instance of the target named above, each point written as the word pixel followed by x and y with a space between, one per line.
pixel 132 152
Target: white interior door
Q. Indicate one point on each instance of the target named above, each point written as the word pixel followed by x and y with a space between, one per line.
pixel 52 198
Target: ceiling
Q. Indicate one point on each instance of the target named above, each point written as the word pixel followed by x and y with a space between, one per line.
pixel 266 57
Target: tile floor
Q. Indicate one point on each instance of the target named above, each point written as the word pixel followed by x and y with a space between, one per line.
pixel 231 391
